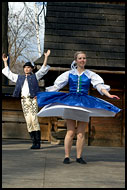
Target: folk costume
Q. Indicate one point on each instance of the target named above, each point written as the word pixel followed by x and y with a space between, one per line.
pixel 77 104
pixel 27 88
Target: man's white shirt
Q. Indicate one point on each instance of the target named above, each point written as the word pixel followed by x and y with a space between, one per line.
pixel 25 88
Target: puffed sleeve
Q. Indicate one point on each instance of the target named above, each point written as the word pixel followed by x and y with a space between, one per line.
pixel 59 83
pixel 98 82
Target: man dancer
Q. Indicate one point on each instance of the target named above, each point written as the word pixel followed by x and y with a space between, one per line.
pixel 26 88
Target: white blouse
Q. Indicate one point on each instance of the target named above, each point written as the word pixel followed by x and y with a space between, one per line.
pixel 62 80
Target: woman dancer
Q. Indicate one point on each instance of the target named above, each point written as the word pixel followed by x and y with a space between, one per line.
pixel 77 104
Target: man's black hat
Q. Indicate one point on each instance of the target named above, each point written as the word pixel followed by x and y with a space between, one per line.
pixel 28 64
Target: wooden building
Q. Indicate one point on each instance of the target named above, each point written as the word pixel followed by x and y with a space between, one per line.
pixel 99 30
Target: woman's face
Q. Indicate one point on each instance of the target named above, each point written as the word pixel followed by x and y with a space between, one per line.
pixel 81 60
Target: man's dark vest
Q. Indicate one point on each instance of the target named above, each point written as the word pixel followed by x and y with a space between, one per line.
pixel 32 83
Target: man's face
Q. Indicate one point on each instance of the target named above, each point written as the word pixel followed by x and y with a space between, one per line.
pixel 27 69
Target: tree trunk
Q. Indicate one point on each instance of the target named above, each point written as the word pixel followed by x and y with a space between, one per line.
pixel 37 31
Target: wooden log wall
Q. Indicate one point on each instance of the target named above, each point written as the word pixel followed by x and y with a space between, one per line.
pixel 96 28
pixel 99 30
pixel 109 131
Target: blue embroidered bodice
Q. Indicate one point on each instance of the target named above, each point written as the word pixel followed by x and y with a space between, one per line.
pixel 79 84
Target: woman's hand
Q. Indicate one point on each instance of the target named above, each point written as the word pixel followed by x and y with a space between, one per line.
pixel 114 96
pixel 104 91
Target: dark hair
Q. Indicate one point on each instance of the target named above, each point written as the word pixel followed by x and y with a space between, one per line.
pixel 28 64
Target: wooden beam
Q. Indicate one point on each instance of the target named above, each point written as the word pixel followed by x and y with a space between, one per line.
pixel 94 70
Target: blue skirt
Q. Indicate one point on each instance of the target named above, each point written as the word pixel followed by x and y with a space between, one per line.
pixel 75 99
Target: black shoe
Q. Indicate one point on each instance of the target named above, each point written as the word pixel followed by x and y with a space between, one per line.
pixel 66 160
pixel 35 137
pixel 34 146
pixel 38 139
pixel 32 135
pixel 38 146
pixel 81 161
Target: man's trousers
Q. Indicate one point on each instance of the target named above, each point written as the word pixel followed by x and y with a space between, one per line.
pixel 30 110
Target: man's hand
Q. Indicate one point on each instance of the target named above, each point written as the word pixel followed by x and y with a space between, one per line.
pixel 4 57
pixel 46 57
pixel 47 53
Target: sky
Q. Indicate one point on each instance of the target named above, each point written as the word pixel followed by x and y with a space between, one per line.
pixel 18 6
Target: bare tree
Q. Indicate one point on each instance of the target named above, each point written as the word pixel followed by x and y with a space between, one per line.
pixel 4 35
pixel 23 34
pixel 20 31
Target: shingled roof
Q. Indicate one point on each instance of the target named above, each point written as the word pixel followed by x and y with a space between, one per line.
pixel 96 28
